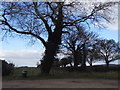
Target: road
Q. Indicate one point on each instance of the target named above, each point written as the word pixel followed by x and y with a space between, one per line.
pixel 61 83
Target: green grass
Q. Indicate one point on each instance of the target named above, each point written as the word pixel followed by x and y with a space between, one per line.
pixel 107 75
pixel 17 74
pixel 34 73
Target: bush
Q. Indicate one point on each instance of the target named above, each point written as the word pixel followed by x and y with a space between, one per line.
pixel 96 68
pixel 7 69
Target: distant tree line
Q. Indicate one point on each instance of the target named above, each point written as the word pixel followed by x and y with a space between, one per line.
pixel 84 46
pixel 80 47
pixel 79 51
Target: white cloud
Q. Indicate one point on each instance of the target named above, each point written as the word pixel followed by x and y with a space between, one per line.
pixel 111 26
pixel 22 57
pixel 114 23
pixel 93 0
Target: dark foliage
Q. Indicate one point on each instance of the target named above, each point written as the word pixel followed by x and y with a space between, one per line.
pixel 7 68
pixel 96 68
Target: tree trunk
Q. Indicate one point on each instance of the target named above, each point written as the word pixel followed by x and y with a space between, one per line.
pixel 75 60
pixel 91 60
pixel 107 63
pixel 52 47
pixel 71 65
pixel 84 57
pixel 54 40
pixel 48 59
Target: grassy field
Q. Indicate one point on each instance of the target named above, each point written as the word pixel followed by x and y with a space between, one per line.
pixel 34 73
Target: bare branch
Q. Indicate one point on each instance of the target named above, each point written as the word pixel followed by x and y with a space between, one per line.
pixel 42 18
pixel 101 7
pixel 23 32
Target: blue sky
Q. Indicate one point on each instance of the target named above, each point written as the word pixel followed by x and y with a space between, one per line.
pixel 22 44
pixel 21 53
pixel 108 34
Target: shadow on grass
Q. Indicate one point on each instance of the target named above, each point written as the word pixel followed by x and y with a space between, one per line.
pixel 92 75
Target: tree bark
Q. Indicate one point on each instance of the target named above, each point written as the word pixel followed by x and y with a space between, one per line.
pixel 107 64
pixel 54 40
pixel 75 60
pixel 48 59
pixel 84 57
pixel 71 65
pixel 91 60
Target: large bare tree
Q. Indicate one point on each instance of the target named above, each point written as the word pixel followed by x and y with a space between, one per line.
pixel 36 19
pixel 77 42
pixel 108 50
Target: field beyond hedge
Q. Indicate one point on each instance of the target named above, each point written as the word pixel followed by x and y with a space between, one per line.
pixel 34 74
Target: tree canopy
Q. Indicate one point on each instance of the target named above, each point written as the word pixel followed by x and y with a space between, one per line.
pixel 53 19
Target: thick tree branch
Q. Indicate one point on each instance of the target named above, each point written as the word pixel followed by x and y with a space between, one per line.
pixel 53 19
pixel 53 10
pixel 83 19
pixel 102 54
pixel 91 15
pixel 42 18
pixel 114 59
pixel 22 32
